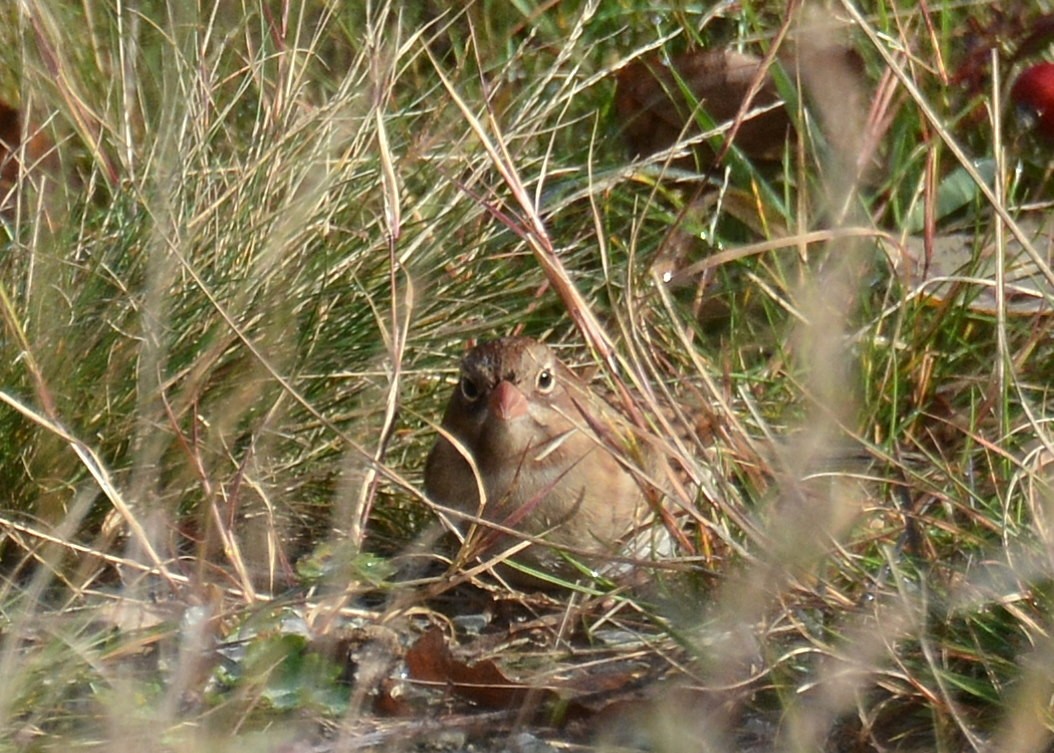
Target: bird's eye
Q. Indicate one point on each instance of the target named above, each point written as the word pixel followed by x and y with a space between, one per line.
pixel 546 381
pixel 469 390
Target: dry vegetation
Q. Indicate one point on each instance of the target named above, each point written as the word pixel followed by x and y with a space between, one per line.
pixel 244 246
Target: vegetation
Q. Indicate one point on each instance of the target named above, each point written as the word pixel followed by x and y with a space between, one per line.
pixel 247 243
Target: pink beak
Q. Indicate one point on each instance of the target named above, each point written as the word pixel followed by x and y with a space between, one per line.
pixel 507 402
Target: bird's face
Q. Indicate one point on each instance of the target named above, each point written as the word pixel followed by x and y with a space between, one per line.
pixel 513 397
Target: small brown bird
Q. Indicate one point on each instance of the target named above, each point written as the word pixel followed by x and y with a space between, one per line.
pixel 551 455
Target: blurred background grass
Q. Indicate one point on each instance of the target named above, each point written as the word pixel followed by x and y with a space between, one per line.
pixel 236 287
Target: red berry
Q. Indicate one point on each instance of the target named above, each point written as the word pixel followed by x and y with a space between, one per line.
pixel 1034 92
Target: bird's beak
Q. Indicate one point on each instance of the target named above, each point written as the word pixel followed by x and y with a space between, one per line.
pixel 507 402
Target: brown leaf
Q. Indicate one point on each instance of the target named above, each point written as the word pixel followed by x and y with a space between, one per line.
pixel 582 692
pixel 957 261
pixel 389 700
pixel 430 660
pixel 656 102
pixel 37 153
pixel 10 138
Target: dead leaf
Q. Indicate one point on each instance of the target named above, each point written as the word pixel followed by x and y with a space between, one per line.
pixel 582 692
pixel 656 102
pixel 957 261
pixel 34 159
pixel 430 660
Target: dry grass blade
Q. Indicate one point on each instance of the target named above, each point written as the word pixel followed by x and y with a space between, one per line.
pixel 98 471
pixel 534 232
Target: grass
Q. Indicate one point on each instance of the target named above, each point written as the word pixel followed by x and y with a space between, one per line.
pixel 235 291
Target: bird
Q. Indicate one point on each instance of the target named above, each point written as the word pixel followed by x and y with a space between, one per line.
pixel 527 445
pixel 1033 93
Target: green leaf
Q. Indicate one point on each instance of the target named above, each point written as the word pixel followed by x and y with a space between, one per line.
pixel 956 191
